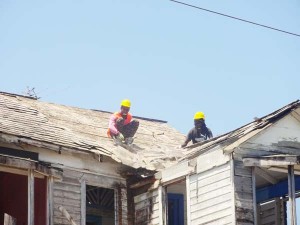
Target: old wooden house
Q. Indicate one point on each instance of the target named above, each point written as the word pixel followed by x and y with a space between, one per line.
pixel 57 165
pixel 245 177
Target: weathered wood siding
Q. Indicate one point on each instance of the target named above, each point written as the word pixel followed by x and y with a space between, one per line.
pixel 211 196
pixel 272 212
pixel 147 208
pixel 280 138
pixel 243 194
pixel 67 194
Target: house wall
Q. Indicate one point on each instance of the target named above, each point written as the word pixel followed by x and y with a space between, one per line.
pixel 211 196
pixel 147 208
pixel 243 194
pixel 69 194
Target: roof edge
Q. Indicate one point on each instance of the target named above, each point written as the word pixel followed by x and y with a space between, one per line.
pixel 17 95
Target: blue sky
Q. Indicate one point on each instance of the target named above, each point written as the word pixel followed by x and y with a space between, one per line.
pixel 168 59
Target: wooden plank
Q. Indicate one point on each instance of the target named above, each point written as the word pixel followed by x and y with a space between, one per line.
pixel 204 181
pixel 243 184
pixel 209 195
pixel 214 209
pixel 292 200
pixel 241 170
pixel 145 196
pixel 210 202
pixel 218 185
pixel 83 202
pixel 253 172
pixel 176 171
pixel 160 205
pixel 68 195
pixel 30 201
pixel 150 203
pixel 244 215
pixel 211 218
pixel 210 160
pixel 67 215
pixel 188 200
pixel 49 213
pixel 272 161
pixel 232 185
pixel 68 187
pixel 265 175
pixel 9 220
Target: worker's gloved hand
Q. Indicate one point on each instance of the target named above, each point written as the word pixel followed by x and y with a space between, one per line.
pixel 120 137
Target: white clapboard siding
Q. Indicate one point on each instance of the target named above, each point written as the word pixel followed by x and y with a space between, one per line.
pixel 67 194
pixel 271 212
pixel 243 194
pixel 211 196
pixel 147 208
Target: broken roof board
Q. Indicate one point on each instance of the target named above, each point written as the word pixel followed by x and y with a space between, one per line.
pixel 60 127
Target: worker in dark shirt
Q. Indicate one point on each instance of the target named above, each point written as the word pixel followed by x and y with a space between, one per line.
pixel 200 132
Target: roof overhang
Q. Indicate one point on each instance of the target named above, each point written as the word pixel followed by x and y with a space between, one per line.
pixel 12 164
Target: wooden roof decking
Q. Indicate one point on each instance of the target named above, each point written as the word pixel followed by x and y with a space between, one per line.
pixel 25 120
pixel 232 139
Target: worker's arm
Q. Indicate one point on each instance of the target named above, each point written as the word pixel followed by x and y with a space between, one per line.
pixel 209 133
pixel 112 125
pixel 187 140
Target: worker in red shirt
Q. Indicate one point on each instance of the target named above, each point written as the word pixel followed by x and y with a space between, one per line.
pixel 121 126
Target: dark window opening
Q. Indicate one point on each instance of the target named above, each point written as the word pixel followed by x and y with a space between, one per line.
pixel 100 206
pixel 14 198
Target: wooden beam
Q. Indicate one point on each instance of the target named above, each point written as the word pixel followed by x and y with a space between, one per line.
pixel 160 205
pixel 67 215
pixel 50 182
pixel 30 197
pixel 292 199
pixel 188 201
pixel 20 163
pixel 9 220
pixel 178 171
pixel 83 202
pixel 253 172
pixel 268 161
pixel 282 170
pixel 265 175
pixel 142 183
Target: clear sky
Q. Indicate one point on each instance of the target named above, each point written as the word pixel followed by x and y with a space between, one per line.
pixel 169 60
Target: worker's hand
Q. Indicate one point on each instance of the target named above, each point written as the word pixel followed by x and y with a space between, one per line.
pixel 183 145
pixel 121 137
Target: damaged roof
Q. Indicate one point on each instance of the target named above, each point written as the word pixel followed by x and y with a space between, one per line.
pixel 25 120
pixel 232 139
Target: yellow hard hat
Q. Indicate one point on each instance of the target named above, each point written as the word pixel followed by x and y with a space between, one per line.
pixel 126 103
pixel 199 115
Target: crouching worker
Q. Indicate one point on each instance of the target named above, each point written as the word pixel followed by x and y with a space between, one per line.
pixel 121 126
pixel 200 132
